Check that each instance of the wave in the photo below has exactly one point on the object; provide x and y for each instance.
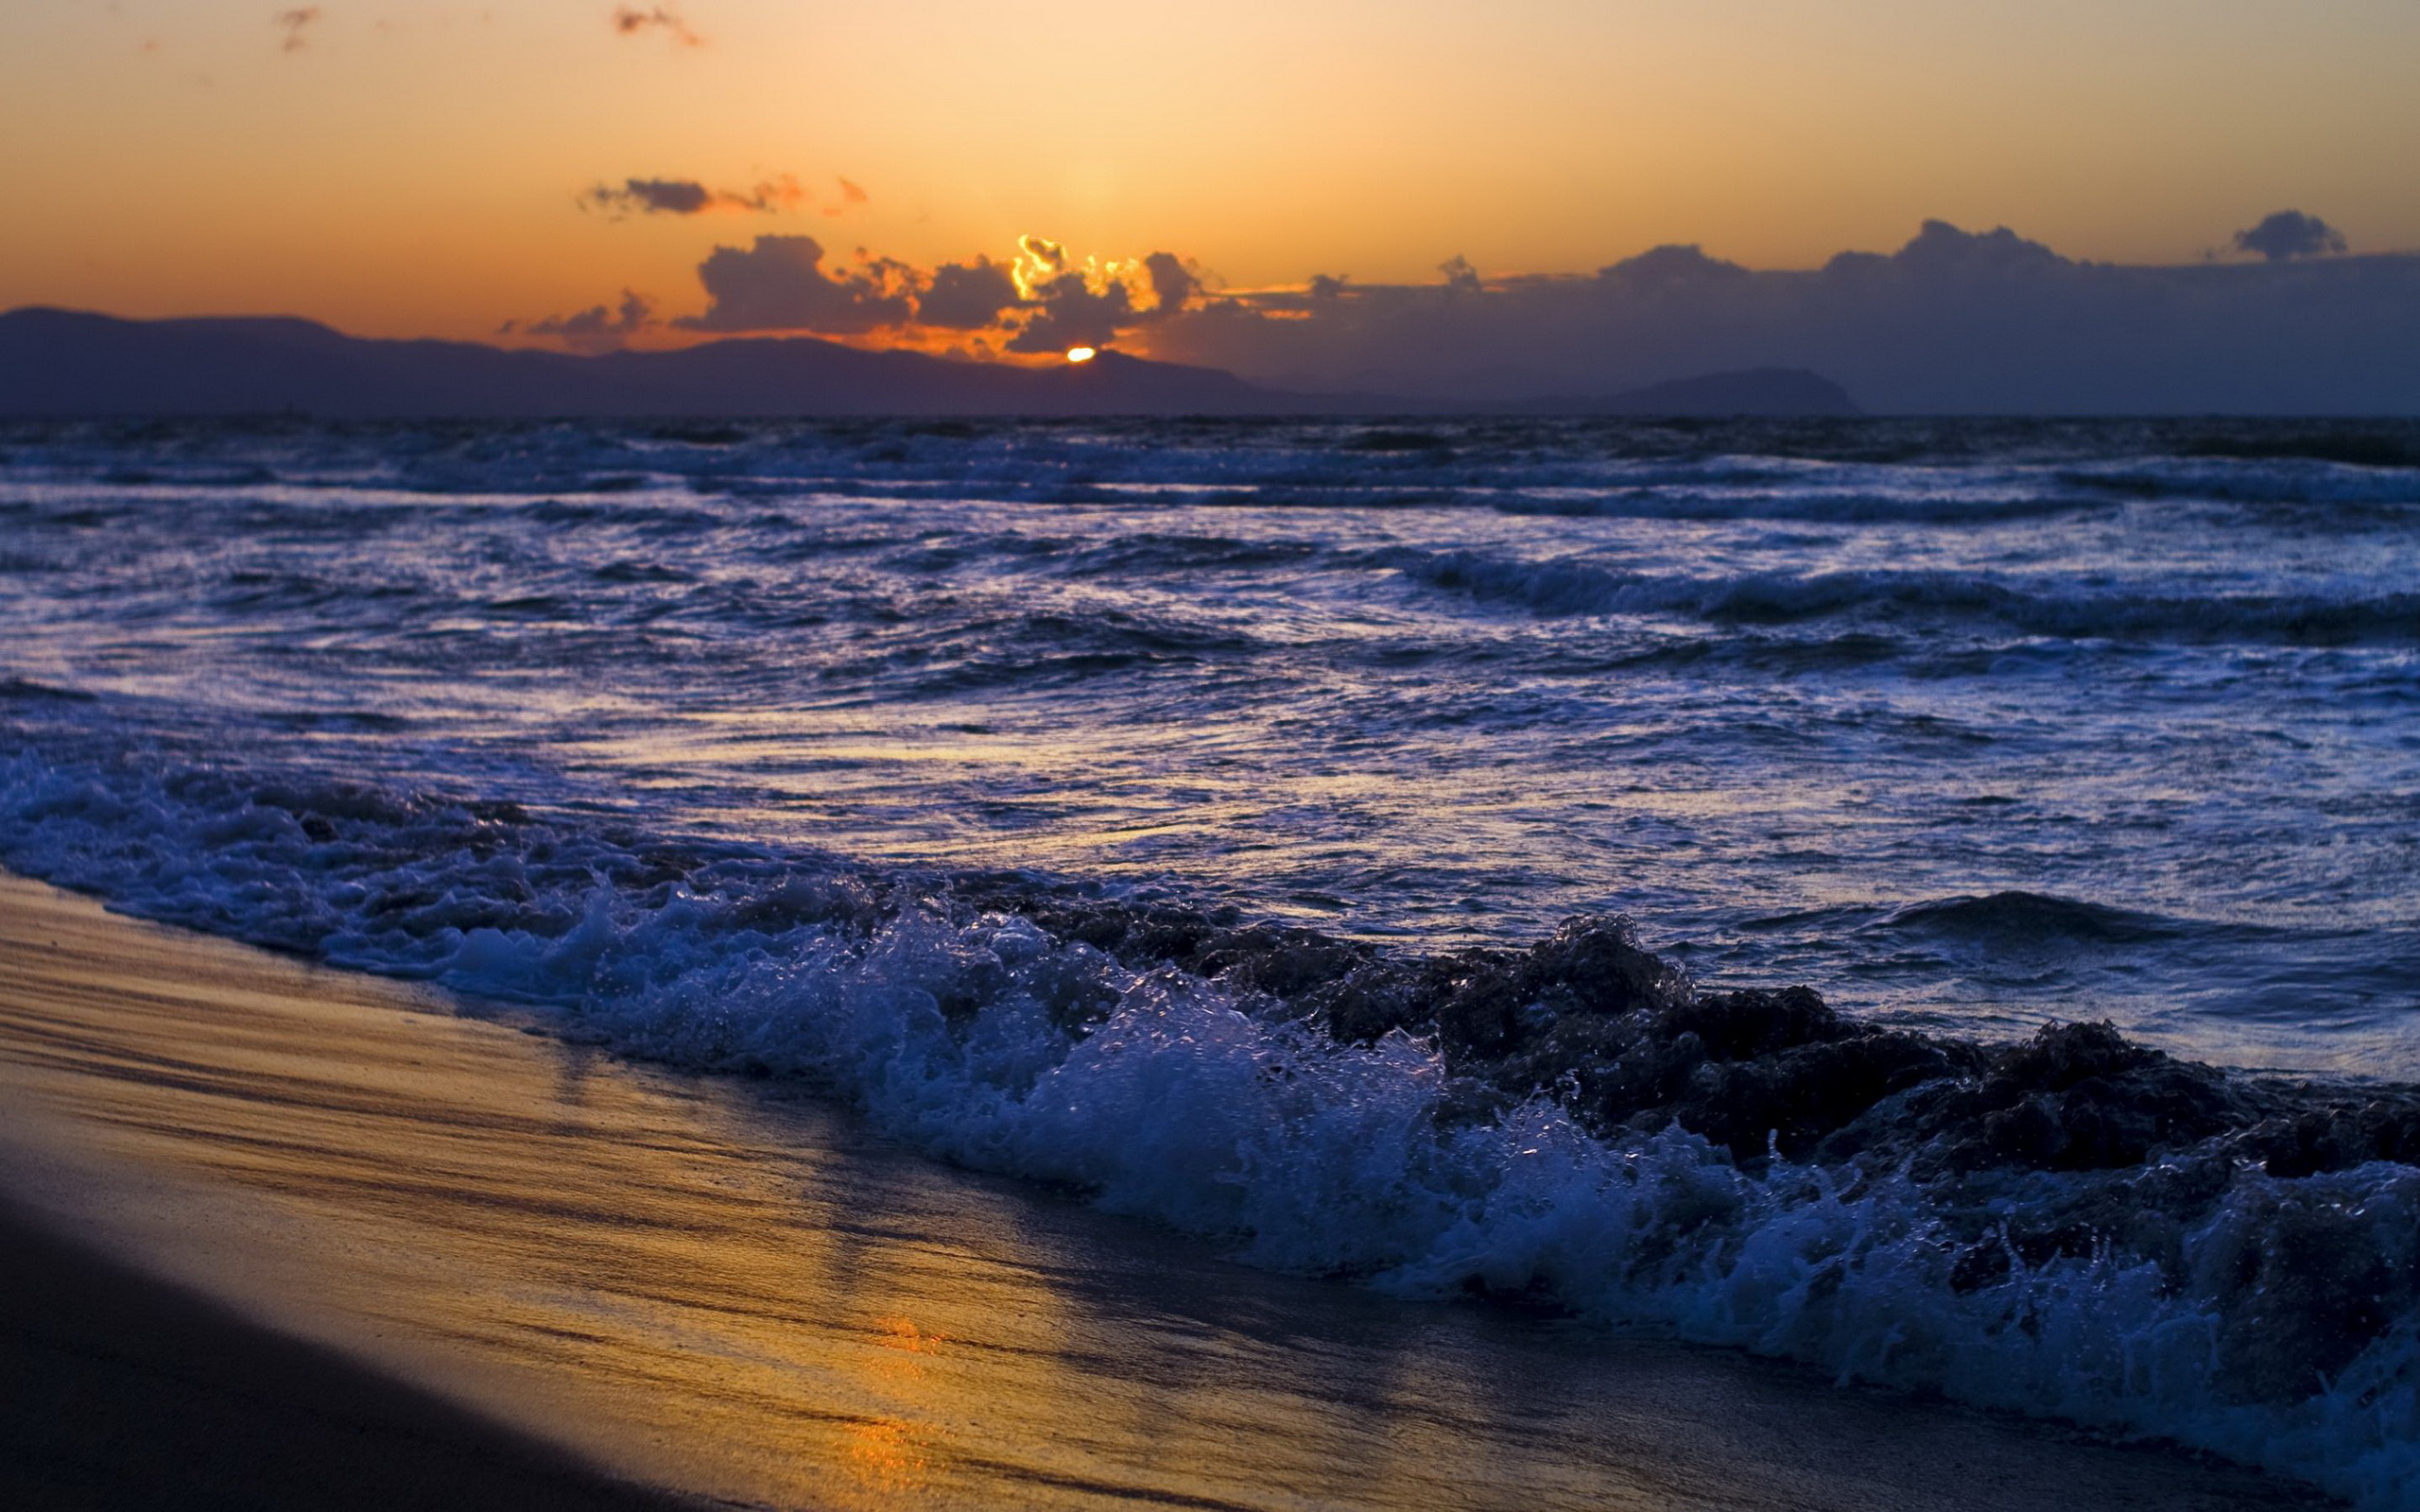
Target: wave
(1581, 586)
(1770, 655)
(2072, 1225)
(1876, 499)
(2253, 475)
(2019, 920)
(28, 689)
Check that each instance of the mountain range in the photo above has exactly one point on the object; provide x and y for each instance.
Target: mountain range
(63, 363)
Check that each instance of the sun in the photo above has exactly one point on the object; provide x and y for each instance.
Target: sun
(1082, 353)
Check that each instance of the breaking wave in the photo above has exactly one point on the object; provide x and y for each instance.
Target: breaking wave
(2071, 1225)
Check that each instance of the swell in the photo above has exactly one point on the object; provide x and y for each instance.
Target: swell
(2018, 919)
(1578, 586)
(1948, 474)
(2071, 1225)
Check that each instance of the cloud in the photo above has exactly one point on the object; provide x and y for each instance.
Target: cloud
(1953, 322)
(1460, 278)
(652, 196)
(2288, 235)
(770, 195)
(594, 329)
(1043, 299)
(1672, 267)
(687, 197)
(968, 295)
(1173, 285)
(851, 197)
(779, 284)
(1041, 254)
(297, 24)
(1065, 304)
(632, 21)
(1074, 313)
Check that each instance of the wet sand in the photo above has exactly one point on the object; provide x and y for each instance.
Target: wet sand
(122, 1392)
(709, 1287)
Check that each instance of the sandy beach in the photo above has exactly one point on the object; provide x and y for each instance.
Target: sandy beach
(355, 1238)
(124, 1392)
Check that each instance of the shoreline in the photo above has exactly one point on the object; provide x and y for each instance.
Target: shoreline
(698, 1285)
(125, 1391)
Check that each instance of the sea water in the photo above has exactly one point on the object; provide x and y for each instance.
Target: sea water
(1175, 810)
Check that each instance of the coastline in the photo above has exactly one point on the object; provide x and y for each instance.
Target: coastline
(697, 1286)
(125, 1391)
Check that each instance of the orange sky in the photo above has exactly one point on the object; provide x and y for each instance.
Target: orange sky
(415, 168)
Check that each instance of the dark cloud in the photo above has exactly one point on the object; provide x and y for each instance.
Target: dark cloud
(1670, 268)
(1074, 313)
(1173, 285)
(594, 329)
(1041, 300)
(2288, 235)
(1328, 285)
(1940, 250)
(630, 21)
(779, 284)
(687, 197)
(297, 24)
(1460, 278)
(968, 295)
(1954, 321)
(1093, 305)
(653, 197)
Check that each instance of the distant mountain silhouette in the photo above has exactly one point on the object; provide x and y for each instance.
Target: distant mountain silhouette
(57, 362)
(69, 363)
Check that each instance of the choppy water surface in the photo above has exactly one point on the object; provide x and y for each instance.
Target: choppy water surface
(799, 746)
(1973, 723)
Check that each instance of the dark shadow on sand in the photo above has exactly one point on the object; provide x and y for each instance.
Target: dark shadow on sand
(119, 1391)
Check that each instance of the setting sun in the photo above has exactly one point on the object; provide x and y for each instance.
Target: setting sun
(1080, 353)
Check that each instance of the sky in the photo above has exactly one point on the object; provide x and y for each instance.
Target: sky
(590, 173)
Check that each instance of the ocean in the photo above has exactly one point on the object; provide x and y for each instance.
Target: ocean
(1934, 900)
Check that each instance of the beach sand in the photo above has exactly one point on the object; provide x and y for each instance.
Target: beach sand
(364, 1242)
(123, 1392)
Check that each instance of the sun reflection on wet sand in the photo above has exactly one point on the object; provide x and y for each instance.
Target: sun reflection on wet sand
(887, 1456)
